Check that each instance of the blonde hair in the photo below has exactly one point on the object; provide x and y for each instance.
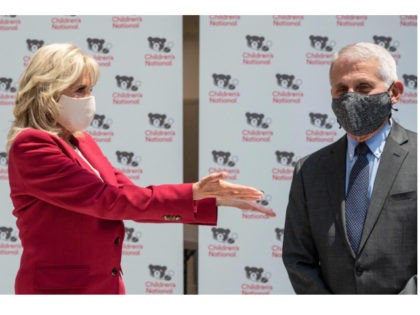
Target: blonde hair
(51, 70)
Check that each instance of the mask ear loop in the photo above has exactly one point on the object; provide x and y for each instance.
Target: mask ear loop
(392, 107)
(389, 89)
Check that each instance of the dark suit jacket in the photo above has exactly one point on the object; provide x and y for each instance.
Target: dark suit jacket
(316, 251)
(70, 221)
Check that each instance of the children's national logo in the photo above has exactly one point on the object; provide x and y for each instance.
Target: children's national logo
(100, 128)
(225, 162)
(321, 43)
(290, 89)
(259, 47)
(7, 85)
(163, 282)
(258, 281)
(224, 245)
(389, 44)
(410, 93)
(321, 50)
(225, 91)
(7, 91)
(161, 52)
(128, 91)
(101, 51)
(34, 44)
(287, 161)
(386, 42)
(9, 244)
(260, 131)
(276, 249)
(132, 245)
(130, 164)
(162, 128)
(323, 128)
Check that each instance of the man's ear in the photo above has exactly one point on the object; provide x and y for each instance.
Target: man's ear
(396, 91)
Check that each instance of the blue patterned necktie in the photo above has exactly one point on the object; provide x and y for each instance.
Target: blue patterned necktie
(357, 200)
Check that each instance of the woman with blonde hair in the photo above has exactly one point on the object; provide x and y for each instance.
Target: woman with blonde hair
(70, 202)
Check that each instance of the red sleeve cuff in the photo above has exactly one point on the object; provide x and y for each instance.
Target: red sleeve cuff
(205, 211)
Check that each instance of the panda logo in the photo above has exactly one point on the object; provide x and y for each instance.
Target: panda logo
(223, 235)
(34, 44)
(287, 81)
(257, 43)
(160, 272)
(264, 201)
(285, 158)
(99, 122)
(321, 43)
(159, 44)
(6, 85)
(160, 121)
(257, 274)
(224, 158)
(7, 234)
(279, 233)
(127, 83)
(3, 159)
(127, 158)
(410, 81)
(98, 45)
(320, 120)
(257, 120)
(131, 235)
(386, 42)
(222, 81)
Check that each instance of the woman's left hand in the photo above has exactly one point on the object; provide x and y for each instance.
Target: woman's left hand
(245, 205)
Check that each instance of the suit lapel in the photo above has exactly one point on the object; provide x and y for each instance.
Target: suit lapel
(335, 170)
(391, 160)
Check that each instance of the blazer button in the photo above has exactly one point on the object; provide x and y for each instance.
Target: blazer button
(171, 217)
(117, 241)
(114, 271)
(359, 271)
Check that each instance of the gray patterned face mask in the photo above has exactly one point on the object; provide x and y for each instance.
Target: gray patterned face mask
(361, 114)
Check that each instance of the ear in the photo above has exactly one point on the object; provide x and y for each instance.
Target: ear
(396, 91)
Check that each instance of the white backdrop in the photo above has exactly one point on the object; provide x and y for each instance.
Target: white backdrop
(139, 116)
(264, 103)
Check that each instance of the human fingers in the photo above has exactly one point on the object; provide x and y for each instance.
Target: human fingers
(267, 211)
(235, 191)
(213, 177)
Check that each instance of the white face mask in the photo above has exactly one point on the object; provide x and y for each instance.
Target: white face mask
(76, 114)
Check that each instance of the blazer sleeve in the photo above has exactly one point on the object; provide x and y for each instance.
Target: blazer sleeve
(45, 172)
(202, 208)
(299, 252)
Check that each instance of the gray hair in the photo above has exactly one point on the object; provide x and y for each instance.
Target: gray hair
(365, 51)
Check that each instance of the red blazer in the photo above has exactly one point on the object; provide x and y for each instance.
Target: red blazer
(70, 221)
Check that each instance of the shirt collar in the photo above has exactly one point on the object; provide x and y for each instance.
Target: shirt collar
(376, 144)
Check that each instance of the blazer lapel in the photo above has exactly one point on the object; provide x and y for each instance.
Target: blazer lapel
(95, 160)
(391, 160)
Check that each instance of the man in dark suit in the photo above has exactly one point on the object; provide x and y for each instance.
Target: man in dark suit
(351, 221)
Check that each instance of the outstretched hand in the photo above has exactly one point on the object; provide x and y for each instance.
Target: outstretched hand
(245, 205)
(228, 194)
(213, 186)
